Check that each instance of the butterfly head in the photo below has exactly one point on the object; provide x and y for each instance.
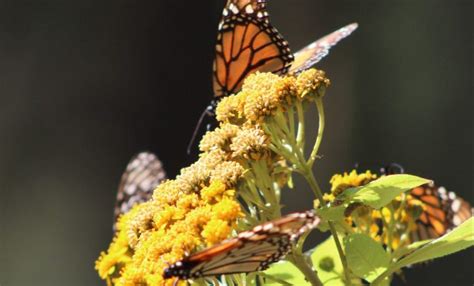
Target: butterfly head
(392, 168)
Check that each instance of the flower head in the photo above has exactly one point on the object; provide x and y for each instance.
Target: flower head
(229, 172)
(341, 182)
(231, 109)
(250, 143)
(264, 93)
(261, 97)
(220, 138)
(311, 83)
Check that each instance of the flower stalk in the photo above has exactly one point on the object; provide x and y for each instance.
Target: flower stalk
(317, 190)
(319, 138)
(301, 262)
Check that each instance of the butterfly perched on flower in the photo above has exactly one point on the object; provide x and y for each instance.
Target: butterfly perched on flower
(441, 210)
(248, 43)
(143, 174)
(250, 251)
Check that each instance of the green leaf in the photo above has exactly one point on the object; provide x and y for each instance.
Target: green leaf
(284, 271)
(331, 213)
(323, 226)
(272, 280)
(328, 264)
(327, 214)
(366, 257)
(402, 251)
(456, 240)
(380, 192)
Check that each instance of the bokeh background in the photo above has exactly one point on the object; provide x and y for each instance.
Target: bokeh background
(84, 85)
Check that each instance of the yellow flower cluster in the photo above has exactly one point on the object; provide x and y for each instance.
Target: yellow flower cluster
(390, 225)
(110, 264)
(263, 94)
(200, 207)
(254, 126)
(176, 222)
(341, 182)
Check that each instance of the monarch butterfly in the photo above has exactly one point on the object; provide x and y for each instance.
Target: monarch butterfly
(143, 174)
(247, 43)
(250, 251)
(442, 210)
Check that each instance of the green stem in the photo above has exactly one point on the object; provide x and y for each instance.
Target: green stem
(264, 182)
(282, 124)
(300, 138)
(391, 226)
(301, 263)
(319, 138)
(308, 174)
(279, 146)
(317, 190)
(291, 119)
(282, 151)
(342, 256)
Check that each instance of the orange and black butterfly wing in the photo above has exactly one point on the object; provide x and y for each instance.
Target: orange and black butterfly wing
(250, 251)
(314, 52)
(443, 211)
(194, 265)
(432, 222)
(246, 43)
(143, 174)
(457, 209)
(250, 254)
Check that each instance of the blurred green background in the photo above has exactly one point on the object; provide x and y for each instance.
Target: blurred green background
(86, 84)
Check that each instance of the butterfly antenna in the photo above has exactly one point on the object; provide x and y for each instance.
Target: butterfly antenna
(208, 111)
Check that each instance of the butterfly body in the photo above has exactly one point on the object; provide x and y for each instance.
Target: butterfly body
(250, 251)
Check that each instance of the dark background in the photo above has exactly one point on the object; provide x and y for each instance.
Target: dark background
(86, 84)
